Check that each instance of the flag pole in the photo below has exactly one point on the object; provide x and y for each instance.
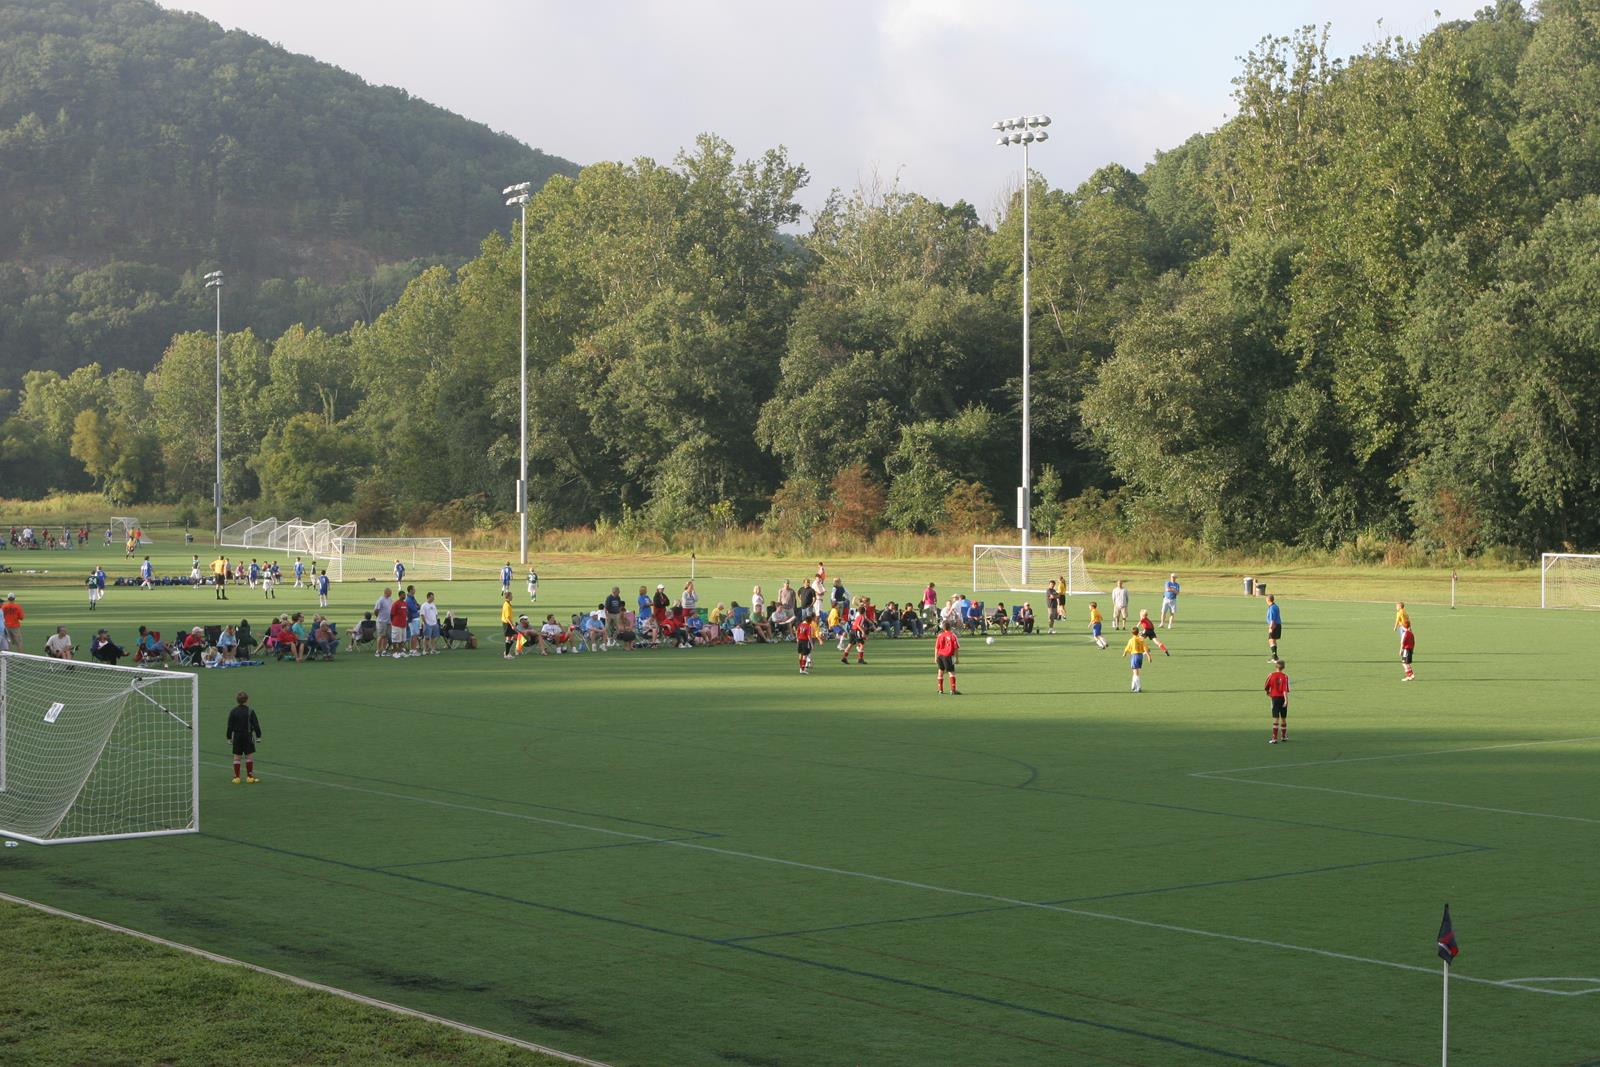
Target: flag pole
(1445, 1052)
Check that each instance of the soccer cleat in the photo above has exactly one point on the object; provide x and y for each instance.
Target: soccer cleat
(1273, 741)
(955, 692)
(235, 779)
(1164, 652)
(252, 779)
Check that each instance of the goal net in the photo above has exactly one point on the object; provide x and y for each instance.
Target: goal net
(372, 559)
(125, 526)
(91, 752)
(1000, 567)
(1569, 580)
(233, 533)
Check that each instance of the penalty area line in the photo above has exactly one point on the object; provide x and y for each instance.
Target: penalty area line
(305, 983)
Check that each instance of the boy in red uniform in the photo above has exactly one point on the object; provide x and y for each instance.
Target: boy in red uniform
(946, 648)
(1408, 644)
(805, 632)
(1277, 688)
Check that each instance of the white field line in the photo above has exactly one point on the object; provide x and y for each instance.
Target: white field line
(1227, 775)
(304, 983)
(928, 887)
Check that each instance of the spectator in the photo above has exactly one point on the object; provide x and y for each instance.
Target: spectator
(228, 642)
(889, 620)
(1025, 617)
(13, 615)
(59, 646)
(104, 649)
(247, 640)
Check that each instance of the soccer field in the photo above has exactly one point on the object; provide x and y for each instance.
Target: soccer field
(699, 857)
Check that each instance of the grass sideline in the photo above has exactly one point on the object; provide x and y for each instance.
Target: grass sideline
(74, 993)
(700, 858)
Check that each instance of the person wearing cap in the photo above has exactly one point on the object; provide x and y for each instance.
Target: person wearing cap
(660, 603)
(59, 646)
(13, 615)
(104, 649)
(194, 644)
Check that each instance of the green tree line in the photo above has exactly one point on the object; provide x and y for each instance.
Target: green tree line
(1364, 306)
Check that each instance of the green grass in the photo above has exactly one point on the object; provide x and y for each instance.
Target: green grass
(701, 858)
(72, 993)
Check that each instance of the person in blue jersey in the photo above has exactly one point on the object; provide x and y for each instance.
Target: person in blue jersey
(1169, 602)
(322, 587)
(505, 578)
(147, 572)
(1274, 625)
(399, 572)
(299, 573)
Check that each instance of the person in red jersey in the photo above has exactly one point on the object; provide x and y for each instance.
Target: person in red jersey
(1408, 645)
(860, 624)
(398, 623)
(1277, 688)
(805, 632)
(946, 650)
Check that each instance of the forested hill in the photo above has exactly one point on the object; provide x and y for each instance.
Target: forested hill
(157, 144)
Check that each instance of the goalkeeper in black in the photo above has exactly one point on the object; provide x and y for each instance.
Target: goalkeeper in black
(244, 729)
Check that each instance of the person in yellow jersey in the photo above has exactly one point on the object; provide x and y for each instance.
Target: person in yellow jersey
(1096, 622)
(508, 623)
(1402, 621)
(1137, 649)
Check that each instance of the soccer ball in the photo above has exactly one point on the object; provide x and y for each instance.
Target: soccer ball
(988, 640)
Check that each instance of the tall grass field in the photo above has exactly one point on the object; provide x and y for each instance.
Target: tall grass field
(702, 857)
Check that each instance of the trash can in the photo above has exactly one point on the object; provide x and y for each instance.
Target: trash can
(1249, 586)
(1261, 589)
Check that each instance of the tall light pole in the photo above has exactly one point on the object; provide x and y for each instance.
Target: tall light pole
(519, 194)
(214, 281)
(1024, 130)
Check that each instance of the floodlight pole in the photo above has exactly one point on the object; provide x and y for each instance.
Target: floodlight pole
(1024, 131)
(214, 281)
(518, 194)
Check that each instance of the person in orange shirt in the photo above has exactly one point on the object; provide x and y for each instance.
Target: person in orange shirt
(13, 614)
(805, 632)
(946, 650)
(1402, 621)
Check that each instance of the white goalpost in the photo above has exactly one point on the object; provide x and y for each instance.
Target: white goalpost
(359, 559)
(92, 752)
(1569, 580)
(999, 568)
(123, 527)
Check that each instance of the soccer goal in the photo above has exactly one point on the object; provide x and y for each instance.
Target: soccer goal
(362, 559)
(125, 526)
(90, 752)
(999, 567)
(1569, 580)
(233, 533)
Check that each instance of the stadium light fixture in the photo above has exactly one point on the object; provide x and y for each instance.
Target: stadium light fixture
(1024, 130)
(214, 281)
(518, 196)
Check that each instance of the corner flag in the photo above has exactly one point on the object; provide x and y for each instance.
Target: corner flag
(1448, 949)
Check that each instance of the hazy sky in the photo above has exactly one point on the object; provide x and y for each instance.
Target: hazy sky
(851, 87)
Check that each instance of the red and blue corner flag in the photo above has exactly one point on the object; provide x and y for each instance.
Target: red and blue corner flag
(1448, 949)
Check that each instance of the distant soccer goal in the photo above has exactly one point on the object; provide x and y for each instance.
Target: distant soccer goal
(1000, 568)
(90, 752)
(125, 526)
(233, 533)
(1569, 580)
(360, 559)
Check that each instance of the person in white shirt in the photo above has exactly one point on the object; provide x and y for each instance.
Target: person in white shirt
(430, 626)
(59, 646)
(1119, 606)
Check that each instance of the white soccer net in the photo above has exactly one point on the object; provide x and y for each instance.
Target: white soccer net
(233, 533)
(1000, 567)
(90, 752)
(1569, 580)
(124, 527)
(361, 559)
